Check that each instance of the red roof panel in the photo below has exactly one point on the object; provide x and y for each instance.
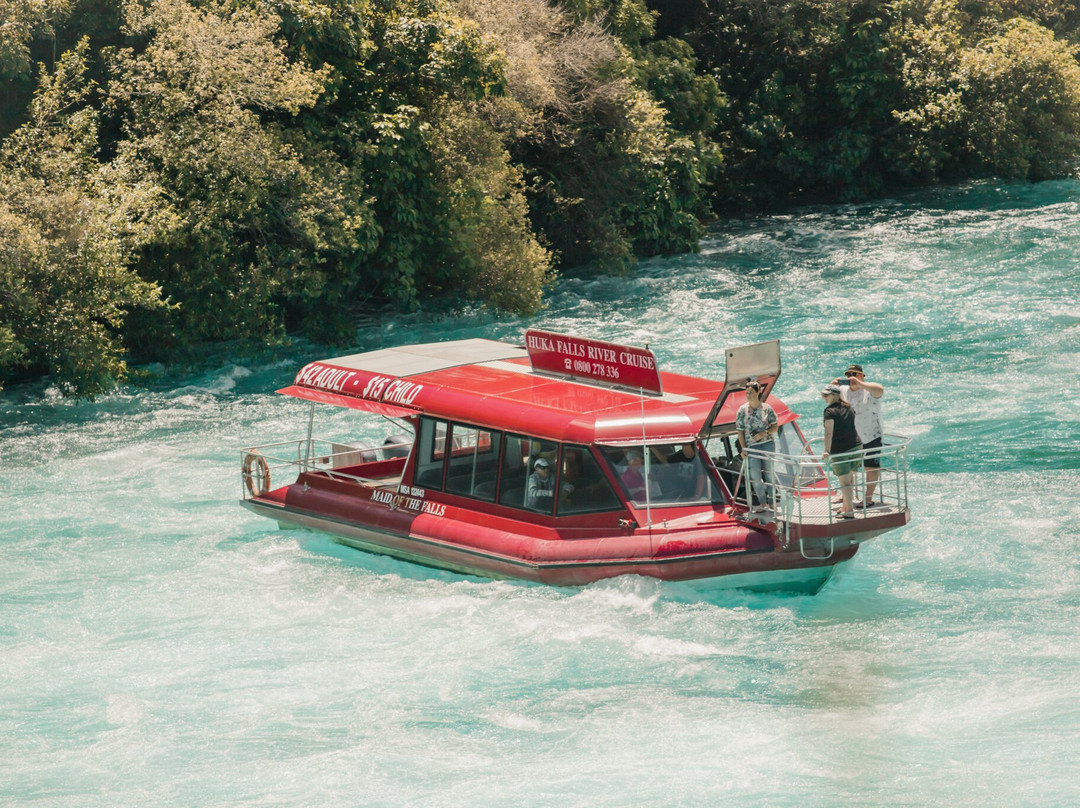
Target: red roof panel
(507, 394)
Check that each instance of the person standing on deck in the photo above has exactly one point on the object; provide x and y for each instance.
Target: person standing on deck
(841, 438)
(757, 425)
(865, 398)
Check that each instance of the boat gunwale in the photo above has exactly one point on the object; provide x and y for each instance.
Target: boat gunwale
(278, 507)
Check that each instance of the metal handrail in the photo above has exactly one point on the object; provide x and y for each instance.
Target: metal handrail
(308, 458)
(794, 481)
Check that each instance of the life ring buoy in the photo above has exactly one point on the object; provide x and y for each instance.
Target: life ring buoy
(256, 474)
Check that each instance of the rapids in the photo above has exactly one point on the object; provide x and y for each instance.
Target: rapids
(161, 646)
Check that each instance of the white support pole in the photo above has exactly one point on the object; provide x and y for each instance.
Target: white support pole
(645, 451)
(307, 447)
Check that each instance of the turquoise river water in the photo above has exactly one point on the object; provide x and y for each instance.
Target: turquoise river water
(161, 646)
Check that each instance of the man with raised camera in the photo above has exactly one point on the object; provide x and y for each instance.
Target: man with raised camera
(865, 398)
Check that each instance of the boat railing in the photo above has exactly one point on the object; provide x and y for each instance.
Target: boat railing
(281, 463)
(800, 489)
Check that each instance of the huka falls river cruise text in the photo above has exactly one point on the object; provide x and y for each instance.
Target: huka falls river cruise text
(567, 461)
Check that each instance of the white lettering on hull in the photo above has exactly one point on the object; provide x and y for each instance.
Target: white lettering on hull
(435, 508)
(408, 498)
(386, 497)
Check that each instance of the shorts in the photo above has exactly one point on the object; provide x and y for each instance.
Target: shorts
(873, 462)
(848, 464)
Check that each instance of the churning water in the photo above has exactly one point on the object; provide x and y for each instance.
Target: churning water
(161, 646)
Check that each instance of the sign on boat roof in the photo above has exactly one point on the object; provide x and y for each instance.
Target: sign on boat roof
(560, 387)
(601, 362)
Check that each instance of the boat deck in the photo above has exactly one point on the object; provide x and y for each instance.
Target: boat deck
(821, 510)
(348, 474)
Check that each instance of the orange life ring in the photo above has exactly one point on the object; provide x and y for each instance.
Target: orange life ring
(256, 473)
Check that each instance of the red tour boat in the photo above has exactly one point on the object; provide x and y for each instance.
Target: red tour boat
(566, 461)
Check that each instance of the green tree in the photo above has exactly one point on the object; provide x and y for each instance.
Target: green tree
(490, 247)
(447, 201)
(983, 97)
(67, 230)
(21, 21)
(930, 140)
(812, 86)
(608, 177)
(261, 212)
(1023, 96)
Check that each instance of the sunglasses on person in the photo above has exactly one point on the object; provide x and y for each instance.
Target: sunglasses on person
(851, 373)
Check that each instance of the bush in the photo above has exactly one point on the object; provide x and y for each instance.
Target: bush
(67, 231)
(1022, 91)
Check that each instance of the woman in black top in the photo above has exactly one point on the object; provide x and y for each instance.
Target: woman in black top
(841, 437)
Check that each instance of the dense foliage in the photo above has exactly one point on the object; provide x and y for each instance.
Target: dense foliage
(840, 99)
(177, 173)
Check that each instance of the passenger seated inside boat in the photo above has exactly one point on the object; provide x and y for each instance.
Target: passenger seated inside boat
(521, 477)
(632, 478)
(670, 482)
(540, 492)
(686, 479)
(587, 490)
(571, 477)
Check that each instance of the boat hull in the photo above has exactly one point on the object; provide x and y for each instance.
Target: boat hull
(754, 564)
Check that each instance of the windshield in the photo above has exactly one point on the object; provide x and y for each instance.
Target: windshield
(675, 474)
(789, 445)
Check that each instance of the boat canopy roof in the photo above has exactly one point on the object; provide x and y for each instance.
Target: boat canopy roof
(493, 384)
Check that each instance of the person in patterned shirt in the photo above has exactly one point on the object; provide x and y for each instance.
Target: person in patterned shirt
(756, 422)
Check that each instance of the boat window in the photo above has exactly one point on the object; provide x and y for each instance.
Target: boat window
(791, 442)
(724, 451)
(523, 485)
(474, 461)
(676, 474)
(583, 488)
(431, 453)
